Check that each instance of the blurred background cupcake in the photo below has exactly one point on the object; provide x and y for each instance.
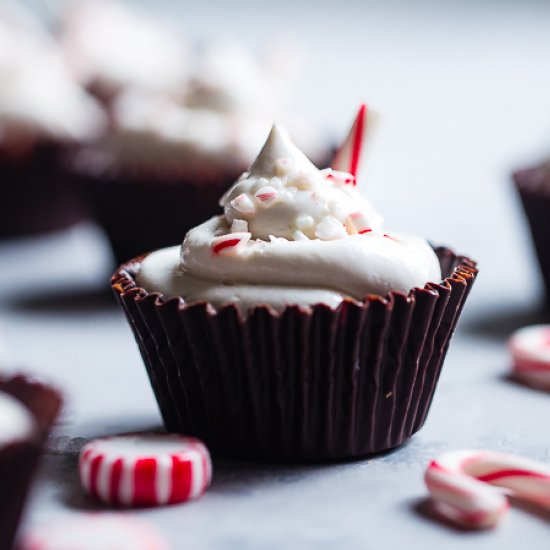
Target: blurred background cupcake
(110, 46)
(44, 114)
(183, 122)
(533, 186)
(28, 410)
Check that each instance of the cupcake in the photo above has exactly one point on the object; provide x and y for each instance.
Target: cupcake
(27, 412)
(292, 326)
(43, 115)
(181, 151)
(111, 46)
(533, 186)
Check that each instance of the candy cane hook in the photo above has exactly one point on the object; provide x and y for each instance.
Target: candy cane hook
(460, 483)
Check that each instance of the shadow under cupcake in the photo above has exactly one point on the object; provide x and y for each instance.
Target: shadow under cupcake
(292, 327)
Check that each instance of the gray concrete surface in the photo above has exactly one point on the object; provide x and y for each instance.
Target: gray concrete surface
(464, 91)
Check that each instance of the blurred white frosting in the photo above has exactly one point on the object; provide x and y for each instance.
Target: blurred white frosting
(112, 46)
(16, 421)
(38, 96)
(214, 125)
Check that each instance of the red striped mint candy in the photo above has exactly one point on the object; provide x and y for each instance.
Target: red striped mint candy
(94, 532)
(145, 470)
(530, 348)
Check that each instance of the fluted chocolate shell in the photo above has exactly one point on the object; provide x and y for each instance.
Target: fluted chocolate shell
(533, 186)
(19, 460)
(307, 384)
(38, 195)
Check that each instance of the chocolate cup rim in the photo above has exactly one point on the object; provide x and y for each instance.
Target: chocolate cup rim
(522, 179)
(123, 284)
(18, 384)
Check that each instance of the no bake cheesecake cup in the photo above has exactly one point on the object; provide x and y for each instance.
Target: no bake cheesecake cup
(309, 384)
(533, 187)
(44, 116)
(39, 406)
(305, 382)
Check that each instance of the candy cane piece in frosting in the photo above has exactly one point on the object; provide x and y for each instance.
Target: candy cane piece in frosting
(93, 530)
(266, 194)
(349, 155)
(360, 223)
(239, 226)
(243, 204)
(230, 243)
(459, 482)
(339, 177)
(530, 349)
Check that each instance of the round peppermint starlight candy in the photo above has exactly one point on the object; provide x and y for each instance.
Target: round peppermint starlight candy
(145, 470)
(530, 347)
(94, 532)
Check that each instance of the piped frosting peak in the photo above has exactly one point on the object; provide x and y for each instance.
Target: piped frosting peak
(284, 195)
(278, 151)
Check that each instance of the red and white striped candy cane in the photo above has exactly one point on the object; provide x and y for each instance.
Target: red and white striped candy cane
(349, 155)
(460, 483)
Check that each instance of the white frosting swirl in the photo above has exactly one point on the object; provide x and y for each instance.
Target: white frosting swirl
(113, 46)
(38, 97)
(285, 195)
(291, 234)
(16, 421)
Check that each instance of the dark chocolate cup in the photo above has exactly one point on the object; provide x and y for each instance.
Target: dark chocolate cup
(533, 186)
(38, 194)
(307, 384)
(19, 460)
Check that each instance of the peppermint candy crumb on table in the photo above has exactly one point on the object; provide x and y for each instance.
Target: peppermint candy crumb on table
(107, 531)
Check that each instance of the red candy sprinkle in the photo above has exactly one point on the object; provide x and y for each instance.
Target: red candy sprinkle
(226, 244)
